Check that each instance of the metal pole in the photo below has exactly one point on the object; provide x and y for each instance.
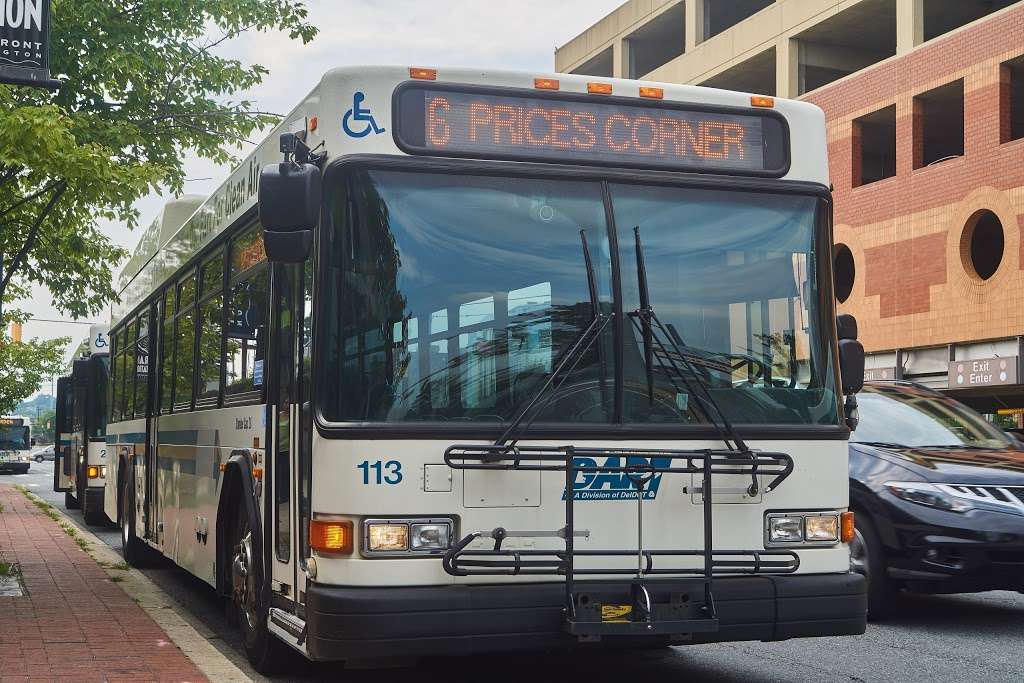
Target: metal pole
(570, 479)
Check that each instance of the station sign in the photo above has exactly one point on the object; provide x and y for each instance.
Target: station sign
(25, 43)
(468, 121)
(983, 372)
(879, 374)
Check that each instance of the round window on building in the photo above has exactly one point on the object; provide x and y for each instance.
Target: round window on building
(844, 271)
(981, 244)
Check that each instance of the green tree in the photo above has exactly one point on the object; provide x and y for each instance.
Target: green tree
(42, 426)
(142, 83)
(26, 364)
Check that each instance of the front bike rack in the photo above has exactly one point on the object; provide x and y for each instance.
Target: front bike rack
(596, 607)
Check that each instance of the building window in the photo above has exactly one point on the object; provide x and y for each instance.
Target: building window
(981, 245)
(1011, 100)
(843, 271)
(874, 146)
(657, 42)
(599, 65)
(939, 124)
(720, 16)
(754, 75)
(851, 40)
(943, 16)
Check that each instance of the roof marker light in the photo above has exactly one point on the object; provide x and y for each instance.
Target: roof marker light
(599, 88)
(546, 83)
(762, 101)
(313, 123)
(422, 74)
(653, 93)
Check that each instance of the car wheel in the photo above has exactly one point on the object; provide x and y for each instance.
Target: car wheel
(39, 458)
(867, 558)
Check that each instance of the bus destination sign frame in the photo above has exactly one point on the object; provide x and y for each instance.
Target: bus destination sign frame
(525, 125)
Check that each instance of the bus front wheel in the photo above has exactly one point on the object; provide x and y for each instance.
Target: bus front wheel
(135, 552)
(266, 652)
(70, 502)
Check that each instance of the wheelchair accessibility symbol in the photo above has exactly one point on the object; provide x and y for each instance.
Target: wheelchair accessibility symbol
(359, 114)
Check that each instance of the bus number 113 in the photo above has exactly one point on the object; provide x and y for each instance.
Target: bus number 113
(389, 472)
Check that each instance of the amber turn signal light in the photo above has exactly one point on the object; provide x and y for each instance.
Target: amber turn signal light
(846, 527)
(92, 471)
(332, 536)
(421, 74)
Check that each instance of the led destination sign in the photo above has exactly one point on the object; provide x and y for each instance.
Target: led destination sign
(526, 127)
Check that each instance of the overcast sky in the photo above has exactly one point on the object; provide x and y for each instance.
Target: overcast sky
(513, 34)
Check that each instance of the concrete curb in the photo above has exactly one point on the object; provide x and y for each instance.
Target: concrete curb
(164, 610)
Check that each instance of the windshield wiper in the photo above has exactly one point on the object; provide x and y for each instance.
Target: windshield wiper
(569, 360)
(651, 331)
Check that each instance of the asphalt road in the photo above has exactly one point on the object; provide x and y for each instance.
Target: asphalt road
(939, 638)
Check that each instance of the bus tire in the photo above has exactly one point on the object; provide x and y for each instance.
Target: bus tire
(93, 517)
(135, 552)
(266, 653)
(867, 557)
(70, 502)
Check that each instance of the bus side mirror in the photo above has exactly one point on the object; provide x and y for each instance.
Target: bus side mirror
(851, 366)
(289, 207)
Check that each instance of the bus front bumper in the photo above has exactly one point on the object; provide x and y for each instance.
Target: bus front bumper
(345, 622)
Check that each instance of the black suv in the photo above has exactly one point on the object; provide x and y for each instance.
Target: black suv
(938, 493)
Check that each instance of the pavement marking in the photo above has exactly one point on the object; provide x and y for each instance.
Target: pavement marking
(161, 608)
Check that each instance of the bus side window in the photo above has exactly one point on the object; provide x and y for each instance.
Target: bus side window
(141, 369)
(184, 343)
(115, 376)
(211, 326)
(246, 329)
(128, 368)
(167, 352)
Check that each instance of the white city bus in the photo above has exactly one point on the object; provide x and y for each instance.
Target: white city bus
(80, 448)
(462, 361)
(15, 444)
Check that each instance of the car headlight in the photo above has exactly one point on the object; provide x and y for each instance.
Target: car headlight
(929, 495)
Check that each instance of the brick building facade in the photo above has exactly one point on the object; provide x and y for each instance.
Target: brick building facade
(915, 287)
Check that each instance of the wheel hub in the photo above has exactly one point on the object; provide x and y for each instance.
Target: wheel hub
(243, 580)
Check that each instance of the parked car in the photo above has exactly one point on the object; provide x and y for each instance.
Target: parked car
(938, 493)
(45, 453)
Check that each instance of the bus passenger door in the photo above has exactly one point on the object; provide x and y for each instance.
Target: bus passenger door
(281, 453)
(62, 436)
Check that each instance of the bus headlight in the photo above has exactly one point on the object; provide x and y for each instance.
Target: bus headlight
(785, 529)
(430, 536)
(802, 528)
(409, 537)
(821, 528)
(387, 537)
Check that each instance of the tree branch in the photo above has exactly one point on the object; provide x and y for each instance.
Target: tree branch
(22, 254)
(29, 198)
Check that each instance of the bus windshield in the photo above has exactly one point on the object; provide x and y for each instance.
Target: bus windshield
(452, 298)
(14, 438)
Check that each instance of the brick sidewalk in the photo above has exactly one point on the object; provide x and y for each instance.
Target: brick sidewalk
(74, 623)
